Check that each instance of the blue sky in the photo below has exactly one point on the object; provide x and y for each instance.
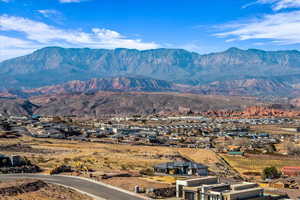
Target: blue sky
(197, 25)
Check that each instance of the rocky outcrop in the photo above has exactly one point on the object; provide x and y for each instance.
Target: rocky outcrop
(269, 112)
(16, 164)
(31, 186)
(254, 111)
(161, 192)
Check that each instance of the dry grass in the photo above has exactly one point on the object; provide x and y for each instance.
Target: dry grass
(99, 157)
(199, 155)
(129, 183)
(105, 157)
(256, 163)
(203, 156)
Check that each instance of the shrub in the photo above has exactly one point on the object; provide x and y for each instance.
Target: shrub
(124, 167)
(61, 169)
(270, 173)
(67, 160)
(147, 172)
(77, 159)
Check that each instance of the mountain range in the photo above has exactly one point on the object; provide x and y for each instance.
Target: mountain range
(53, 70)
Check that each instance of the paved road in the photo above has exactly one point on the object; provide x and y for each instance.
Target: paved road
(97, 190)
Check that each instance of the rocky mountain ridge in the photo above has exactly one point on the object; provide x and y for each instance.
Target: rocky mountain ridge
(246, 87)
(121, 84)
(232, 72)
(99, 104)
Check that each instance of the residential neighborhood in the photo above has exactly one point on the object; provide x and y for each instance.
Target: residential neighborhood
(226, 139)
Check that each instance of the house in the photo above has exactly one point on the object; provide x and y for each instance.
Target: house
(278, 184)
(210, 189)
(182, 168)
(193, 183)
(251, 193)
(233, 148)
(35, 117)
(290, 171)
(235, 153)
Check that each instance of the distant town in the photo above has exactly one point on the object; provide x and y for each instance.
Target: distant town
(210, 157)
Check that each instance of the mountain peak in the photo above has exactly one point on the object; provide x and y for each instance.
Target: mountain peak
(233, 49)
(49, 48)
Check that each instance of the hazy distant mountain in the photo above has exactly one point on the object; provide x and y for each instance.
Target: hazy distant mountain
(222, 72)
(245, 87)
(248, 87)
(122, 84)
(54, 65)
(252, 63)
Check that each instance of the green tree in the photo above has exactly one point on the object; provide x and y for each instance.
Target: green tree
(270, 173)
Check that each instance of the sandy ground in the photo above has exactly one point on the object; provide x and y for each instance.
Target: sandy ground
(131, 182)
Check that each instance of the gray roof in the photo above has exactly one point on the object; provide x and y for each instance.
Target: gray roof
(172, 165)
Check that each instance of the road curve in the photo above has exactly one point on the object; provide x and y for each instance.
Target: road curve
(97, 190)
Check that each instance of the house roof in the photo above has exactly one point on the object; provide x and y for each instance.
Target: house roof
(172, 165)
(291, 168)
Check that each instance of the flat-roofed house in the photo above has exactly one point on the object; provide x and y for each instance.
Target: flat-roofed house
(194, 183)
(210, 189)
